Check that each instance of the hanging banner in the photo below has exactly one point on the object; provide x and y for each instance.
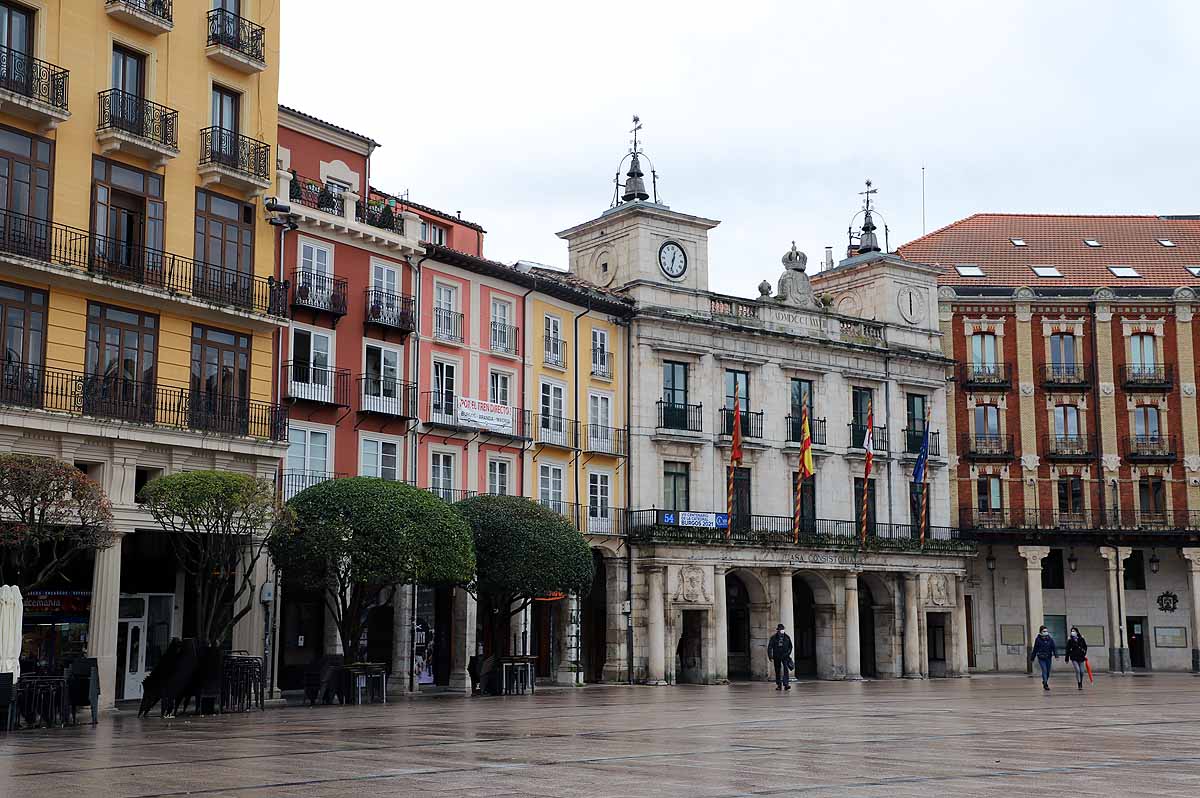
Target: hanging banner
(701, 520)
(485, 415)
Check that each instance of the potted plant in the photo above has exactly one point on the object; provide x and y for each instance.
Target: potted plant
(386, 218)
(325, 200)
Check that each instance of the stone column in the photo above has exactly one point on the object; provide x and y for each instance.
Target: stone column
(1034, 612)
(787, 613)
(853, 651)
(656, 638)
(569, 670)
(615, 662)
(1118, 647)
(1192, 557)
(912, 632)
(350, 206)
(961, 643)
(250, 630)
(102, 619)
(402, 630)
(721, 626)
(463, 645)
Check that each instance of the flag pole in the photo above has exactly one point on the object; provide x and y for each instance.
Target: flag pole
(925, 478)
(869, 443)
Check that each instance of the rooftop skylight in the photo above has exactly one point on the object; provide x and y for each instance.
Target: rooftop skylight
(1166, 242)
(1195, 270)
(1046, 271)
(1017, 242)
(1124, 271)
(969, 270)
(1091, 242)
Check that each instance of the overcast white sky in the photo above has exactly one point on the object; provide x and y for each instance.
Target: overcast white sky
(767, 116)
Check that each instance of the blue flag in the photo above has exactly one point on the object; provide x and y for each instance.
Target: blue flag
(922, 459)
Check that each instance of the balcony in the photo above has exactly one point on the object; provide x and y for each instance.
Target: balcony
(135, 126)
(236, 42)
(879, 438)
(388, 310)
(555, 352)
(602, 364)
(1066, 376)
(36, 387)
(1067, 448)
(599, 439)
(1107, 527)
(452, 495)
(462, 413)
(447, 326)
(795, 430)
(379, 215)
(314, 194)
(303, 382)
(1149, 448)
(234, 161)
(914, 439)
(1147, 378)
(319, 294)
(152, 16)
(985, 446)
(590, 519)
(387, 397)
(985, 376)
(682, 417)
(292, 482)
(550, 430)
(505, 339)
(33, 89)
(752, 423)
(141, 269)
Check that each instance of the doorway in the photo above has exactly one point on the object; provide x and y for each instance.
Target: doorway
(935, 640)
(595, 623)
(544, 626)
(144, 630)
(970, 611)
(866, 630)
(1137, 641)
(804, 636)
(737, 614)
(689, 653)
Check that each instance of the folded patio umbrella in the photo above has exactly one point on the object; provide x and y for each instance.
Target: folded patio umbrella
(11, 612)
(1088, 664)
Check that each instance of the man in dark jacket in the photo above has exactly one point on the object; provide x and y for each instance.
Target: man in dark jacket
(1044, 651)
(779, 651)
(1077, 655)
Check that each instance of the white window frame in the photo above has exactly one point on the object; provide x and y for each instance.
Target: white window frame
(600, 366)
(437, 410)
(380, 440)
(601, 514)
(293, 485)
(442, 490)
(390, 396)
(441, 332)
(317, 388)
(552, 341)
(509, 468)
(553, 427)
(508, 375)
(546, 484)
(600, 435)
(322, 290)
(386, 267)
(439, 233)
(499, 341)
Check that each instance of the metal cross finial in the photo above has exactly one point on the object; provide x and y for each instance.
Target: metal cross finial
(637, 125)
(867, 194)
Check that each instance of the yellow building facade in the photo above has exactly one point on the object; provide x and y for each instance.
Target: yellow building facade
(138, 283)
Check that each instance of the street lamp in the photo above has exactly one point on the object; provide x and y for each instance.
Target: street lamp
(1072, 561)
(991, 561)
(1154, 561)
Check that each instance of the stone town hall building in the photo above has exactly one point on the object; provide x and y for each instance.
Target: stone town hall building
(707, 588)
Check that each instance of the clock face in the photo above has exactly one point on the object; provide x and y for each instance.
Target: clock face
(672, 260)
(911, 304)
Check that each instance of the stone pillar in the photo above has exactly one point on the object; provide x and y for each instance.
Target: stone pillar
(1192, 557)
(463, 645)
(1034, 612)
(615, 662)
(853, 651)
(569, 670)
(961, 643)
(787, 611)
(721, 626)
(411, 224)
(1118, 647)
(402, 630)
(656, 638)
(333, 639)
(349, 206)
(912, 632)
(102, 619)
(249, 633)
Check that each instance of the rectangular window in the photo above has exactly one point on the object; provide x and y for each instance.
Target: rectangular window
(311, 361)
(601, 357)
(443, 400)
(987, 423)
(742, 508)
(550, 486)
(1062, 351)
(987, 493)
(307, 460)
(550, 419)
(120, 363)
(433, 233)
(224, 249)
(1066, 421)
(858, 504)
(1145, 423)
(1135, 570)
(983, 350)
(504, 335)
(915, 510)
(498, 477)
(446, 323)
(220, 380)
(807, 503)
(742, 380)
(1152, 497)
(917, 405)
(555, 354)
(1142, 351)
(860, 404)
(1070, 495)
(22, 328)
(26, 165)
(441, 475)
(384, 278)
(1052, 571)
(380, 458)
(226, 107)
(675, 486)
(801, 397)
(600, 515)
(600, 412)
(675, 383)
(383, 372)
(498, 387)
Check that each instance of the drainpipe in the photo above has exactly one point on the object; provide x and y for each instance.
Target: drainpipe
(578, 346)
(412, 466)
(628, 497)
(525, 366)
(887, 423)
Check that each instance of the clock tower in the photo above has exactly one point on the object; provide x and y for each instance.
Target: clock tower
(639, 241)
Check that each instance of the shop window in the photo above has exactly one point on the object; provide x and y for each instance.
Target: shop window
(1052, 571)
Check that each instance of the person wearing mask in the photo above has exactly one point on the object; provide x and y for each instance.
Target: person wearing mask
(779, 651)
(1044, 651)
(1077, 655)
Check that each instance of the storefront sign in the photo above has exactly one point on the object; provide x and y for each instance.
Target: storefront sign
(484, 415)
(65, 602)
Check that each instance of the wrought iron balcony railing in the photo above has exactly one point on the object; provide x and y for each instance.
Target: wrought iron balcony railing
(915, 438)
(227, 29)
(858, 437)
(1150, 448)
(33, 78)
(670, 526)
(232, 150)
(552, 430)
(391, 310)
(304, 382)
(155, 8)
(605, 440)
(380, 215)
(555, 351)
(387, 397)
(1139, 377)
(505, 338)
(139, 117)
(795, 430)
(1082, 521)
(313, 193)
(689, 418)
(751, 422)
(447, 325)
(319, 292)
(985, 375)
(1068, 447)
(113, 397)
(292, 482)
(602, 363)
(452, 495)
(983, 446)
(1066, 375)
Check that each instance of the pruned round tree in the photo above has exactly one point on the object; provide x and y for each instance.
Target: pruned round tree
(523, 551)
(356, 538)
(50, 514)
(217, 524)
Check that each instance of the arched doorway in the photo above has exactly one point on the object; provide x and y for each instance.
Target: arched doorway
(866, 630)
(804, 636)
(737, 618)
(594, 623)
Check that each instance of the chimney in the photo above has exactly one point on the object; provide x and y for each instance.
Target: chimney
(828, 258)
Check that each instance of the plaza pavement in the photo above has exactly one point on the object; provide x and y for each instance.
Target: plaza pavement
(984, 736)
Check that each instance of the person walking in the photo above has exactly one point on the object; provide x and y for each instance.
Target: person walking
(1077, 655)
(779, 651)
(1044, 651)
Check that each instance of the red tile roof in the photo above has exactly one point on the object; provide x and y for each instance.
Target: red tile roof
(984, 240)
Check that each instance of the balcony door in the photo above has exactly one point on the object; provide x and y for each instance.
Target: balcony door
(445, 380)
(742, 508)
(120, 364)
(1066, 422)
(860, 405)
(312, 366)
(226, 119)
(22, 343)
(1143, 354)
(1062, 356)
(1145, 423)
(16, 37)
(127, 219)
(220, 399)
(129, 84)
(307, 460)
(224, 249)
(382, 391)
